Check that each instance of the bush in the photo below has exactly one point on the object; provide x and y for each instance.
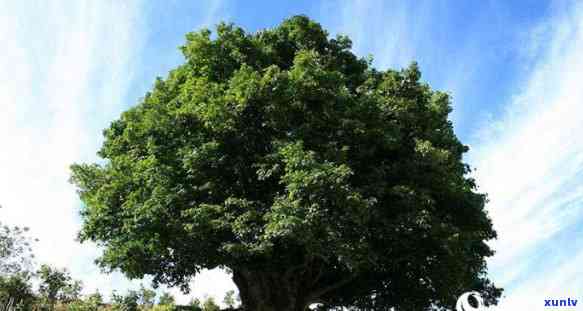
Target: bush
(164, 307)
(129, 302)
(82, 305)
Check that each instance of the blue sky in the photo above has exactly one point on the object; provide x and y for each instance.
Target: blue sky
(514, 69)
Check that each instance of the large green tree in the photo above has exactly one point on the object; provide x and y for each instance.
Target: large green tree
(311, 175)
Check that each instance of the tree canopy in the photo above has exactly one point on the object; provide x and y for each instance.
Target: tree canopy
(57, 285)
(15, 250)
(311, 175)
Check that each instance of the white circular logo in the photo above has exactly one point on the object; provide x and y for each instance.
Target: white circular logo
(463, 303)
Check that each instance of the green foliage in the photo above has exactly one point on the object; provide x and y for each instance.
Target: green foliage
(128, 302)
(90, 303)
(286, 158)
(146, 296)
(163, 307)
(16, 291)
(195, 304)
(209, 304)
(15, 250)
(57, 284)
(80, 305)
(16, 264)
(230, 299)
(95, 298)
(71, 292)
(166, 299)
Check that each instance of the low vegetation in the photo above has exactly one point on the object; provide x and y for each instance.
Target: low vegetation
(57, 290)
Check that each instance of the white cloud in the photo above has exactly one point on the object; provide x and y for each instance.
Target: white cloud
(66, 68)
(530, 162)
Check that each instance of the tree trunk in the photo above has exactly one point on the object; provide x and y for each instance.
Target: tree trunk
(270, 291)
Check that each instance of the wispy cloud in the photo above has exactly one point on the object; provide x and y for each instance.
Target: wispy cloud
(377, 28)
(66, 68)
(530, 162)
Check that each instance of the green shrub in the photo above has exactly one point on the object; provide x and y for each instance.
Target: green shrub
(163, 307)
(129, 302)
